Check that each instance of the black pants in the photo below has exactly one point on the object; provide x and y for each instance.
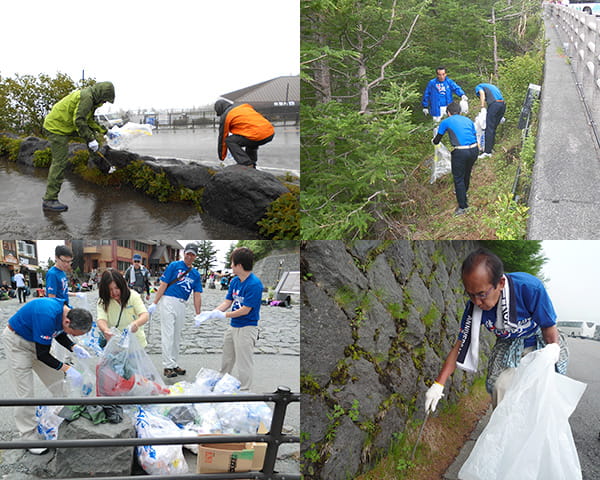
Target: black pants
(245, 151)
(462, 164)
(495, 112)
(21, 294)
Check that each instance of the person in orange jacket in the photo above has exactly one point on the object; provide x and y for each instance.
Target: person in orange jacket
(242, 130)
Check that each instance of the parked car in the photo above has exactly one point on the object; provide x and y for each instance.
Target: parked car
(109, 120)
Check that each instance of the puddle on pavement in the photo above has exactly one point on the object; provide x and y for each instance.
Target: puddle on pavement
(100, 212)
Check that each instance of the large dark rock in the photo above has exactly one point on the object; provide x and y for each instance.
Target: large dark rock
(180, 172)
(241, 195)
(118, 158)
(28, 147)
(94, 462)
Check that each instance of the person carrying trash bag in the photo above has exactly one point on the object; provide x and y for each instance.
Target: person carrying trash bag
(513, 306)
(439, 94)
(463, 137)
(490, 97)
(71, 118)
(27, 339)
(242, 130)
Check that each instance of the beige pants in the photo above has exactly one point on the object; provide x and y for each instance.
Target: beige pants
(238, 348)
(172, 318)
(22, 363)
(505, 380)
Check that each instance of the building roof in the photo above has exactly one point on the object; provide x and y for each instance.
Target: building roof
(280, 89)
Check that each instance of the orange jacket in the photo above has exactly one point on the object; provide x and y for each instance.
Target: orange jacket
(245, 121)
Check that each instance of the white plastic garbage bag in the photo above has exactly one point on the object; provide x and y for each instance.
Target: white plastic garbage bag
(120, 137)
(528, 436)
(480, 123)
(441, 162)
(464, 107)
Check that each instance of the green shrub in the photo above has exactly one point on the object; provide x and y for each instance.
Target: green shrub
(42, 158)
(143, 178)
(9, 147)
(282, 220)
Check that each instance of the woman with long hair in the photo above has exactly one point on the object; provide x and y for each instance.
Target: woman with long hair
(120, 307)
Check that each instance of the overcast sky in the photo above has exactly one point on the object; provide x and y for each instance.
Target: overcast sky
(182, 53)
(46, 249)
(573, 269)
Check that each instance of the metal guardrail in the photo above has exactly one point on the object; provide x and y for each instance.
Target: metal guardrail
(579, 33)
(281, 398)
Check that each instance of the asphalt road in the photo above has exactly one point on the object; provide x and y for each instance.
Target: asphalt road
(585, 420)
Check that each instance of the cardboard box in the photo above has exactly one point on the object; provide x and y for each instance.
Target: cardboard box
(225, 457)
(232, 457)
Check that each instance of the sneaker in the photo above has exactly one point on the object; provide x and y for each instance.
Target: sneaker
(484, 155)
(54, 206)
(37, 451)
(169, 373)
(179, 371)
(460, 211)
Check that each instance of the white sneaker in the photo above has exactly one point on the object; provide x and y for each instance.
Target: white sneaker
(37, 451)
(485, 155)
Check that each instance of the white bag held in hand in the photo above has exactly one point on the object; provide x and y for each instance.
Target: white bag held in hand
(480, 123)
(119, 138)
(528, 436)
(441, 162)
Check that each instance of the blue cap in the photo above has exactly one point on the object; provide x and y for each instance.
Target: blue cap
(137, 256)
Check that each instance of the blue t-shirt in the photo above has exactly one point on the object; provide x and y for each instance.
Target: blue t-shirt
(533, 309)
(245, 294)
(181, 289)
(39, 320)
(492, 93)
(57, 283)
(461, 130)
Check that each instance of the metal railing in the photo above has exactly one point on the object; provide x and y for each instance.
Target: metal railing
(281, 398)
(579, 33)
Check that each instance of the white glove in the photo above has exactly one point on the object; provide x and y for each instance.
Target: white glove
(93, 145)
(433, 396)
(554, 349)
(80, 295)
(152, 308)
(464, 97)
(426, 111)
(201, 318)
(217, 315)
(74, 377)
(80, 351)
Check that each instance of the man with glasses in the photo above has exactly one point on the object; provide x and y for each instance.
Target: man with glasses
(176, 284)
(513, 306)
(57, 283)
(138, 276)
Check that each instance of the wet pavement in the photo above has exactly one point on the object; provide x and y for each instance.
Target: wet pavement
(96, 211)
(279, 156)
(277, 362)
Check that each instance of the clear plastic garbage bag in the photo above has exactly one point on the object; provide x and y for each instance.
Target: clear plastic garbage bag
(441, 162)
(528, 436)
(120, 137)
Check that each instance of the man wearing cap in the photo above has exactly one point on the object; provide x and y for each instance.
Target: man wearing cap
(176, 284)
(242, 130)
(138, 276)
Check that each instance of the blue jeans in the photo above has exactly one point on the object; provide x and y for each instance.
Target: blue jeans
(462, 164)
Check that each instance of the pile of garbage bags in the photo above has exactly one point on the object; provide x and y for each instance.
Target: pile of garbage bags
(124, 369)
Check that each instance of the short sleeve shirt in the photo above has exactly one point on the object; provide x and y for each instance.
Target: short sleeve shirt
(245, 294)
(461, 130)
(191, 282)
(134, 308)
(533, 309)
(57, 283)
(39, 320)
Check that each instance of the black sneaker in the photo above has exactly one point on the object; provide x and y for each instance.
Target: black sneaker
(169, 373)
(54, 206)
(460, 211)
